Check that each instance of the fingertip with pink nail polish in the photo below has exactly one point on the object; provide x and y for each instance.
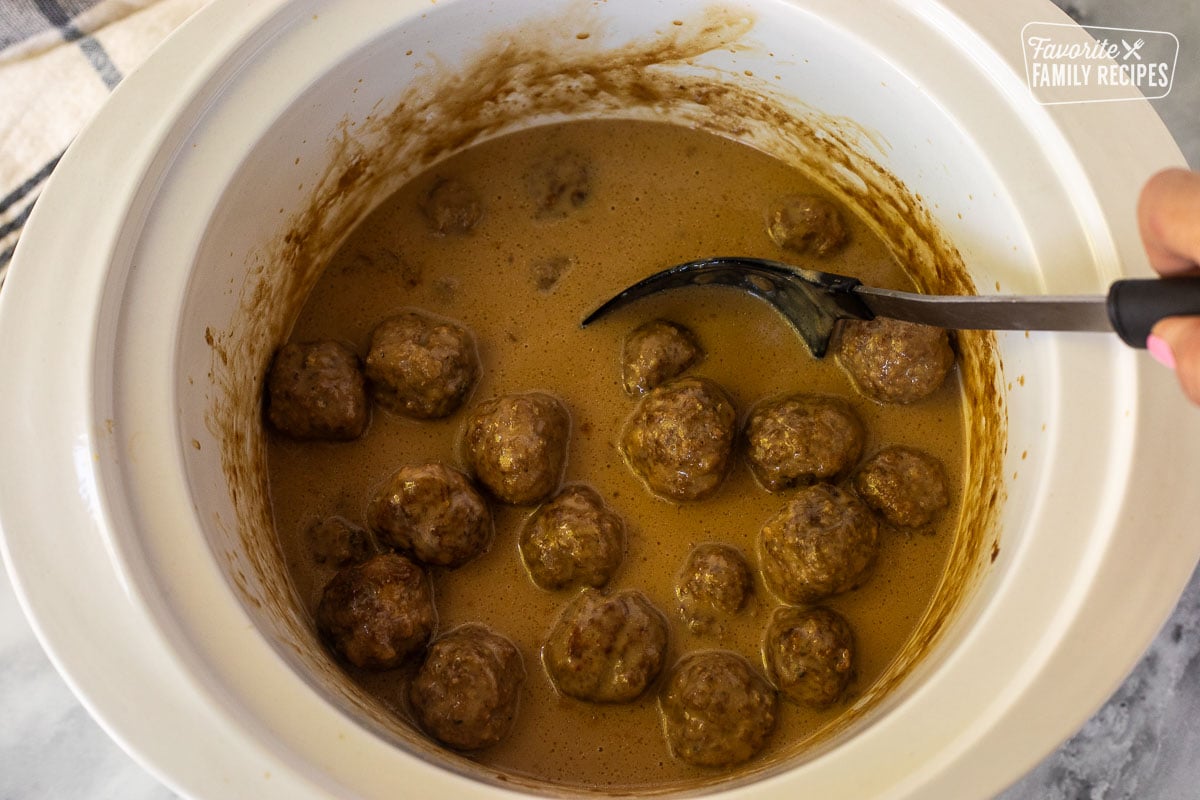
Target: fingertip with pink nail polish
(1160, 351)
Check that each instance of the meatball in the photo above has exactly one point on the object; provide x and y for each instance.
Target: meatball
(893, 361)
(821, 543)
(680, 438)
(547, 272)
(805, 223)
(465, 694)
(714, 582)
(907, 486)
(573, 540)
(433, 512)
(560, 184)
(337, 541)
(606, 649)
(655, 352)
(315, 390)
(377, 613)
(421, 366)
(452, 207)
(717, 711)
(517, 446)
(802, 439)
(809, 653)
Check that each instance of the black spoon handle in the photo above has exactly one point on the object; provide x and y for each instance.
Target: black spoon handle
(1136, 305)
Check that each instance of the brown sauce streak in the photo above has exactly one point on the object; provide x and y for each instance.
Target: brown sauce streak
(516, 82)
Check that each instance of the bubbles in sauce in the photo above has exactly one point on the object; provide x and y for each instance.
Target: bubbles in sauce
(561, 218)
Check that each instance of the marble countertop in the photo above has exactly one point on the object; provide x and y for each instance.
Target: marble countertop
(1143, 743)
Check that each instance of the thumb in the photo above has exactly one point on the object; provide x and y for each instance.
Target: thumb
(1175, 342)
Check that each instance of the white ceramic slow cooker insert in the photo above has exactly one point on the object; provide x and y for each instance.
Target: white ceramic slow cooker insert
(137, 272)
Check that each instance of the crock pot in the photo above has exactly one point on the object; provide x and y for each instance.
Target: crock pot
(132, 326)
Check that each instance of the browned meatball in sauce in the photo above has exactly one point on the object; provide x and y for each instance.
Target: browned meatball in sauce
(680, 438)
(377, 613)
(606, 649)
(433, 512)
(465, 694)
(810, 654)
(714, 583)
(517, 446)
(893, 361)
(573, 540)
(822, 542)
(337, 541)
(806, 223)
(451, 207)
(717, 711)
(908, 487)
(801, 439)
(656, 352)
(315, 390)
(421, 366)
(546, 273)
(560, 184)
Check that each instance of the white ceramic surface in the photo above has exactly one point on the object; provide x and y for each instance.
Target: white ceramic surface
(144, 617)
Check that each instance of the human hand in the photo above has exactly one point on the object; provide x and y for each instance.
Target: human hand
(1169, 220)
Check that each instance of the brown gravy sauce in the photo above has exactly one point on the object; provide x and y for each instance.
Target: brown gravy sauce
(661, 194)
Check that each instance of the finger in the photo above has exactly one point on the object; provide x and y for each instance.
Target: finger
(1169, 220)
(1181, 337)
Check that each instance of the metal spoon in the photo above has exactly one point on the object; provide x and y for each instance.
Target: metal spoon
(814, 301)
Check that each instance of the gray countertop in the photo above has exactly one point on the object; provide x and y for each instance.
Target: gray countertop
(1144, 743)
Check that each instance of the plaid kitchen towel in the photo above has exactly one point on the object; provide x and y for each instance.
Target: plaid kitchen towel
(59, 59)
